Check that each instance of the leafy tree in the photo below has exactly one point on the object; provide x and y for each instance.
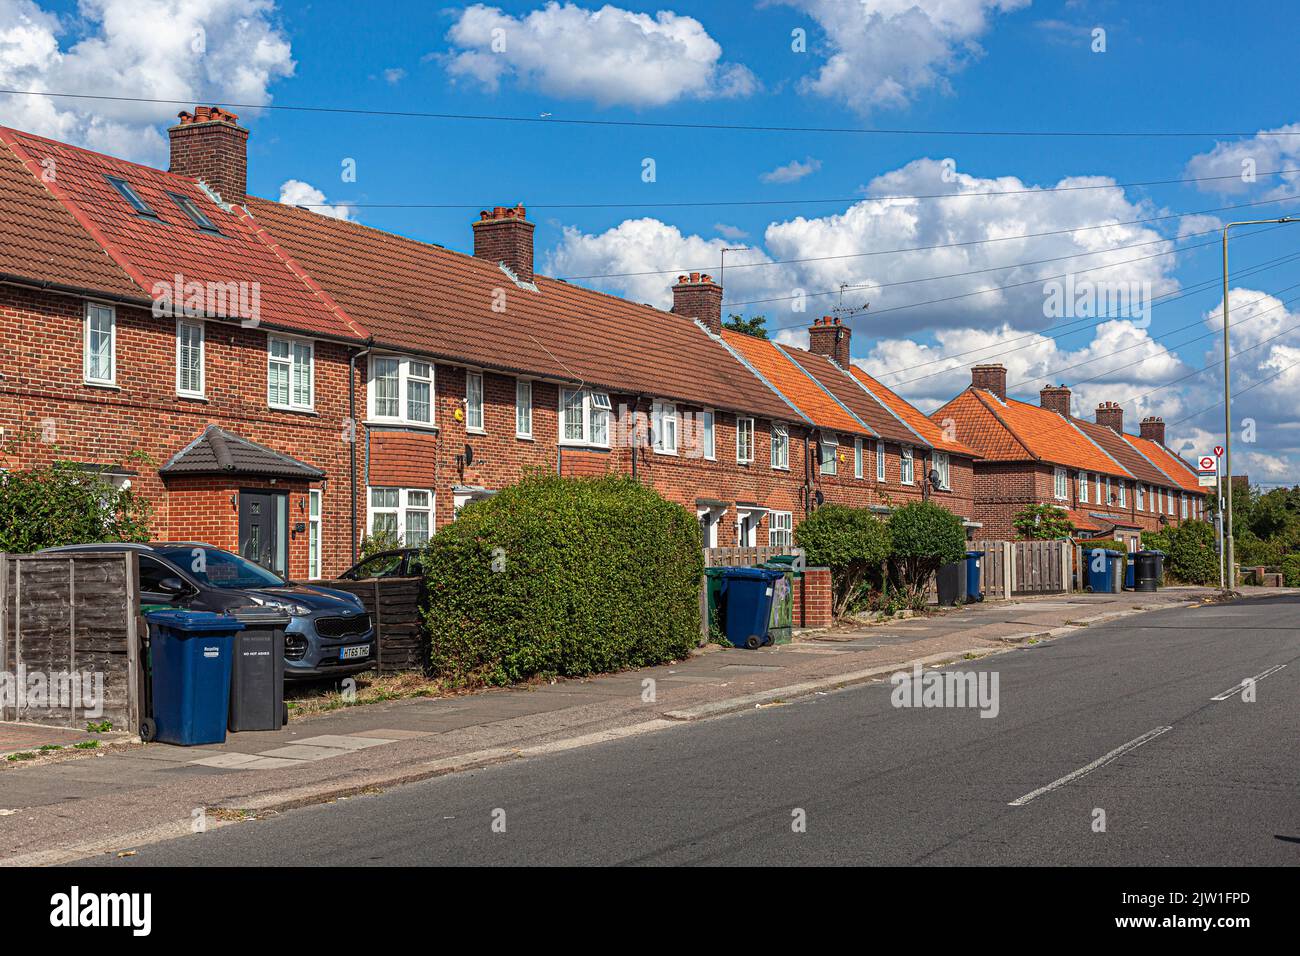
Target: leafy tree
(1043, 523)
(923, 536)
(852, 542)
(755, 325)
(63, 503)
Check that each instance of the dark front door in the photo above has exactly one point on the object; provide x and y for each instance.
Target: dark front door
(263, 529)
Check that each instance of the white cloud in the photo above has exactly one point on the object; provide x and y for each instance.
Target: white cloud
(611, 56)
(884, 52)
(729, 232)
(1239, 166)
(394, 74)
(792, 171)
(295, 192)
(171, 49)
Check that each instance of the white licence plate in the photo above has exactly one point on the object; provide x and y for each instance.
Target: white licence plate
(353, 653)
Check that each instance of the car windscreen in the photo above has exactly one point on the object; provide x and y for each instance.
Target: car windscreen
(221, 569)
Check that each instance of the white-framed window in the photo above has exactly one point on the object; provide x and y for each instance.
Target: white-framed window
(780, 446)
(401, 390)
(780, 529)
(313, 534)
(1060, 484)
(828, 451)
(584, 417)
(189, 358)
(1101, 499)
(880, 460)
(1123, 493)
(906, 465)
(857, 458)
(523, 408)
(1140, 492)
(404, 512)
(663, 425)
(1182, 506)
(474, 401)
(744, 441)
(1083, 487)
(940, 459)
(290, 374)
(100, 344)
(1109, 494)
(708, 437)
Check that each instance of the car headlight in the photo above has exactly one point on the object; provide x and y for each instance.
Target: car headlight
(289, 607)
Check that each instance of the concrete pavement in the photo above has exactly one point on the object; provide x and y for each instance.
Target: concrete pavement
(846, 777)
(133, 795)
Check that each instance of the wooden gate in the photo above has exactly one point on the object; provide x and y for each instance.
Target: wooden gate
(1025, 567)
(70, 621)
(394, 606)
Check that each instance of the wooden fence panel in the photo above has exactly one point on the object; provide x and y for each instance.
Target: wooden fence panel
(745, 557)
(64, 615)
(394, 606)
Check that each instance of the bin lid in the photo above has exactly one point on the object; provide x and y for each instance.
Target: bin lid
(193, 620)
(784, 560)
(974, 554)
(762, 574)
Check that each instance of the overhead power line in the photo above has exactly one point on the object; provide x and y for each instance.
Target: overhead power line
(652, 124)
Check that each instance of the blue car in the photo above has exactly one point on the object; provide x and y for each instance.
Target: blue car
(329, 633)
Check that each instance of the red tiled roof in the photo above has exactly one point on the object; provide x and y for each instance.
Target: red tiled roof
(1047, 436)
(1081, 520)
(852, 395)
(423, 298)
(154, 251)
(800, 389)
(1170, 464)
(1121, 451)
(980, 429)
(42, 241)
(911, 415)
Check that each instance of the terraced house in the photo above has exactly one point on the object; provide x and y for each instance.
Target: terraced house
(1110, 483)
(295, 381)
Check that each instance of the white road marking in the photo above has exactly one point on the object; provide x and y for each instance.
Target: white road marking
(1099, 762)
(1234, 691)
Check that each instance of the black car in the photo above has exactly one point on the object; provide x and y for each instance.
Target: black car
(398, 563)
(329, 633)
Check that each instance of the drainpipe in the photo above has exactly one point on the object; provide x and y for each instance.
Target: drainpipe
(352, 415)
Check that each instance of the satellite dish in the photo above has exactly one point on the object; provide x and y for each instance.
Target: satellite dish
(819, 497)
(469, 454)
(933, 477)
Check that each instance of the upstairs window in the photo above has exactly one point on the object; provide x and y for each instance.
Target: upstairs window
(1083, 487)
(100, 345)
(474, 401)
(905, 466)
(880, 461)
(584, 417)
(857, 458)
(663, 417)
(780, 446)
(401, 390)
(708, 438)
(1141, 497)
(940, 460)
(131, 196)
(290, 377)
(1123, 494)
(744, 440)
(523, 408)
(192, 210)
(827, 455)
(189, 359)
(1060, 484)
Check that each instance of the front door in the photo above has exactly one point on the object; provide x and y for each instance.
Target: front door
(263, 529)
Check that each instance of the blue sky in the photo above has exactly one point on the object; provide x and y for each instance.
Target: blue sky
(974, 65)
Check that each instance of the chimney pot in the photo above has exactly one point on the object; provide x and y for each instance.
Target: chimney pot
(1152, 428)
(1055, 398)
(505, 235)
(990, 378)
(211, 146)
(1111, 414)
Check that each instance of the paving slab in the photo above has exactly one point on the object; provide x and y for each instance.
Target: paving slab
(302, 752)
(345, 741)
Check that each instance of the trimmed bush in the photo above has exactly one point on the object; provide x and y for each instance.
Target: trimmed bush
(852, 542)
(924, 536)
(1291, 570)
(1191, 557)
(1042, 523)
(563, 577)
(65, 504)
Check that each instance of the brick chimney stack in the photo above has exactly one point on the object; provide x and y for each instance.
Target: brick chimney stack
(697, 296)
(211, 146)
(1055, 398)
(1111, 414)
(503, 235)
(1153, 429)
(991, 378)
(830, 337)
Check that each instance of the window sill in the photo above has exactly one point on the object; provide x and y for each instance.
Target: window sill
(398, 423)
(519, 437)
(665, 451)
(583, 446)
(475, 431)
(191, 398)
(780, 467)
(110, 386)
(292, 408)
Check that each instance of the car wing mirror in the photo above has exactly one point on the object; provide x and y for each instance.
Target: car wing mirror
(172, 586)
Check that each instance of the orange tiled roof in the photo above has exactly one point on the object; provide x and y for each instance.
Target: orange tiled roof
(1170, 464)
(799, 388)
(980, 429)
(912, 416)
(1049, 437)
(156, 250)
(1122, 451)
(851, 395)
(421, 297)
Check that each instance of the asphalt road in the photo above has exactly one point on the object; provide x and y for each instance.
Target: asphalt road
(879, 784)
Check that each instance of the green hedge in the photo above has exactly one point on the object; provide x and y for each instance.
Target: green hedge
(63, 503)
(924, 536)
(563, 577)
(1189, 551)
(852, 542)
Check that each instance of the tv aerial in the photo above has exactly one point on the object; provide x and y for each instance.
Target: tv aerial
(843, 311)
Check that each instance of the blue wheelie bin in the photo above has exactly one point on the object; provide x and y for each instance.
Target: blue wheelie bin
(974, 586)
(1102, 570)
(746, 597)
(190, 655)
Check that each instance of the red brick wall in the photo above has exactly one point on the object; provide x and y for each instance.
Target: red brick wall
(42, 394)
(813, 605)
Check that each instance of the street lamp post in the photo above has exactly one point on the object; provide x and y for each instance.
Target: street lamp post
(1226, 500)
